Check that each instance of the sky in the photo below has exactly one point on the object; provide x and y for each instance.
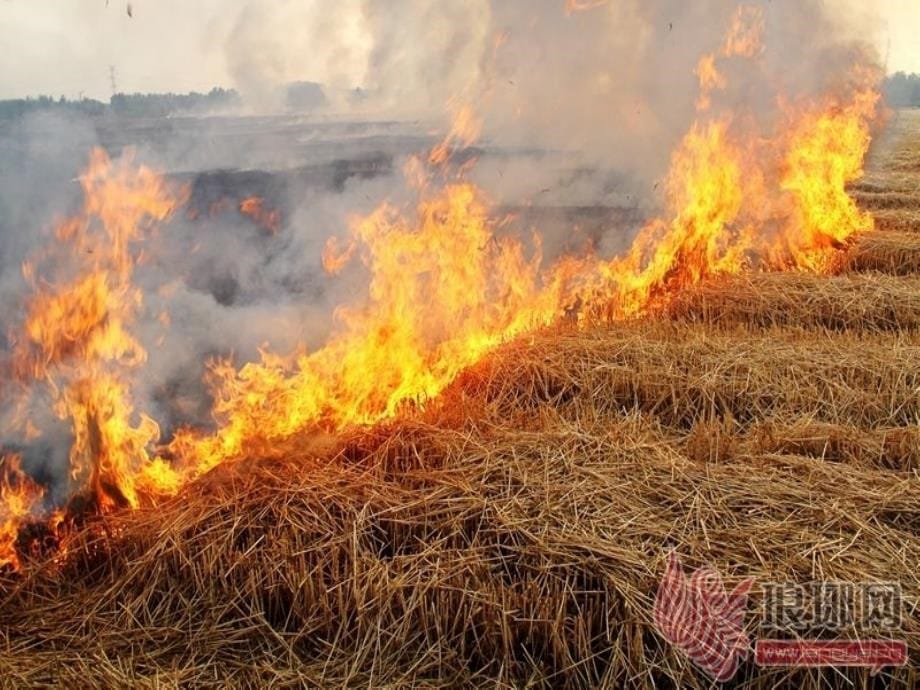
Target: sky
(68, 47)
(902, 18)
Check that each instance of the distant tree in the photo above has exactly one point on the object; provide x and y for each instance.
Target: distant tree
(305, 95)
(15, 108)
(124, 105)
(161, 104)
(903, 90)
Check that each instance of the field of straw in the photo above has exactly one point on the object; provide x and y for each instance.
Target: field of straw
(514, 532)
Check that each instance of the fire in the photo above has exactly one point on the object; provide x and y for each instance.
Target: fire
(19, 498)
(744, 36)
(743, 39)
(574, 6)
(268, 219)
(740, 198)
(825, 153)
(464, 131)
(336, 257)
(446, 287)
(710, 79)
(737, 202)
(705, 193)
(444, 291)
(75, 342)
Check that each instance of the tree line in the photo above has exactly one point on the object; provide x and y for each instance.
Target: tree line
(903, 90)
(124, 104)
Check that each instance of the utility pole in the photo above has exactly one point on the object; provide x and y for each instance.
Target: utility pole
(112, 81)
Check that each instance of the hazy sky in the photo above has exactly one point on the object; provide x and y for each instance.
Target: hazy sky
(66, 47)
(902, 18)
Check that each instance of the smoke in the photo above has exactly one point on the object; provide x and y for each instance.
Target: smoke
(272, 45)
(611, 86)
(580, 114)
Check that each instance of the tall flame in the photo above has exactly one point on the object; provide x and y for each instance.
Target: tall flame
(825, 152)
(740, 202)
(743, 39)
(76, 343)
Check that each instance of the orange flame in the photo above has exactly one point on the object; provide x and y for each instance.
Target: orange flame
(335, 258)
(574, 6)
(464, 131)
(738, 202)
(19, 498)
(742, 40)
(825, 152)
(744, 37)
(444, 291)
(704, 189)
(268, 219)
(76, 336)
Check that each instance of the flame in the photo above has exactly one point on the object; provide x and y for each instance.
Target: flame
(738, 202)
(19, 498)
(444, 291)
(336, 257)
(446, 286)
(710, 79)
(465, 130)
(825, 153)
(75, 341)
(744, 36)
(574, 6)
(268, 219)
(706, 195)
(743, 39)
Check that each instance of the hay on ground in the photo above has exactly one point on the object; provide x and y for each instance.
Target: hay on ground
(682, 374)
(854, 302)
(419, 555)
(891, 252)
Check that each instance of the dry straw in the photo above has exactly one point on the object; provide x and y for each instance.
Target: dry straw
(856, 302)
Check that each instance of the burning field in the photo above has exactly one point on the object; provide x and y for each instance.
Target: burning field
(476, 476)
